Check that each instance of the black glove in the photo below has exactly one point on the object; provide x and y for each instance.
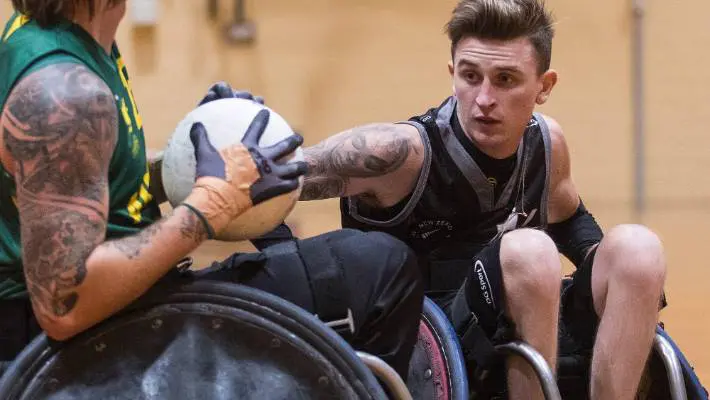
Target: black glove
(272, 179)
(222, 90)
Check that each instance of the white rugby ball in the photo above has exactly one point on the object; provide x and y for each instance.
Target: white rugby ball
(226, 122)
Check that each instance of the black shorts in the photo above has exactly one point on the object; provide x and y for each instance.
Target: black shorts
(371, 275)
(481, 272)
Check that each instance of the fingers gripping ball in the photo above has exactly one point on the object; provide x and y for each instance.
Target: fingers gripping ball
(225, 122)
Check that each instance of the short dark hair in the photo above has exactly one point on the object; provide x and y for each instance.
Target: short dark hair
(50, 12)
(504, 20)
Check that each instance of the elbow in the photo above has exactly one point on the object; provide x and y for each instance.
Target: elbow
(59, 332)
(59, 328)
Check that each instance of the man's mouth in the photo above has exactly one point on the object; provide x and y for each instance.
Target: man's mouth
(487, 120)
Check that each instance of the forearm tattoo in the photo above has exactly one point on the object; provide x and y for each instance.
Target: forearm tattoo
(190, 227)
(60, 127)
(363, 152)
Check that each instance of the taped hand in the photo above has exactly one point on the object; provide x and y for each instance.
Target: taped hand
(231, 180)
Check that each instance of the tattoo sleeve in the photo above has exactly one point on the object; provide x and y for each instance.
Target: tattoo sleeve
(363, 152)
(59, 126)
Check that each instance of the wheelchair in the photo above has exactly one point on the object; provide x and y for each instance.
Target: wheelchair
(218, 340)
(668, 374)
(197, 340)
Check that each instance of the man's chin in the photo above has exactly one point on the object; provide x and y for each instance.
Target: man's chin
(488, 136)
(494, 143)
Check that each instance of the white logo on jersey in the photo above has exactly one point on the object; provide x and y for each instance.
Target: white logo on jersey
(428, 228)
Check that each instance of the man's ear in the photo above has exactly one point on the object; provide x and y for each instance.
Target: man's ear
(548, 79)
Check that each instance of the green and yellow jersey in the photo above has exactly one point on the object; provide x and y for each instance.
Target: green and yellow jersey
(26, 47)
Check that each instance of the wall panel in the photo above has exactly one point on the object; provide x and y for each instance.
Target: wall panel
(678, 103)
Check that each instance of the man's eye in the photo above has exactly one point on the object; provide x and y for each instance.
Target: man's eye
(506, 79)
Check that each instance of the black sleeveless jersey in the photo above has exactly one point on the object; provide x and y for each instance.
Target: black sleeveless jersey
(453, 203)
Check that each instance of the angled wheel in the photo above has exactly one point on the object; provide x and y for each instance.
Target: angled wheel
(197, 340)
(437, 370)
(669, 374)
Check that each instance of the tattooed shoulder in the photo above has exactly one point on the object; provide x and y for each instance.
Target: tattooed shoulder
(65, 117)
(59, 127)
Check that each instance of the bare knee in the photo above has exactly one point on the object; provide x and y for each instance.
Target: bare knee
(635, 256)
(531, 264)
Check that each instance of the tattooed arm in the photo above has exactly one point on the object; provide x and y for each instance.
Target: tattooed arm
(377, 160)
(59, 129)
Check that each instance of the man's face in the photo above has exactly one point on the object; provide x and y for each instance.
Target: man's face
(497, 86)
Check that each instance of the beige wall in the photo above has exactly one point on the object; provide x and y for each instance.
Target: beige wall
(678, 103)
(336, 64)
(327, 65)
(343, 63)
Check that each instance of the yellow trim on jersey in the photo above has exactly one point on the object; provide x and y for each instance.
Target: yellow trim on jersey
(140, 198)
(19, 21)
(126, 116)
(127, 85)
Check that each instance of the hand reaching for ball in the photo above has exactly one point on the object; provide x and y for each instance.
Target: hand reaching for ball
(222, 90)
(231, 180)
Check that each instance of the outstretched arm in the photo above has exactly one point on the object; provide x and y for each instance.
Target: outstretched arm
(369, 159)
